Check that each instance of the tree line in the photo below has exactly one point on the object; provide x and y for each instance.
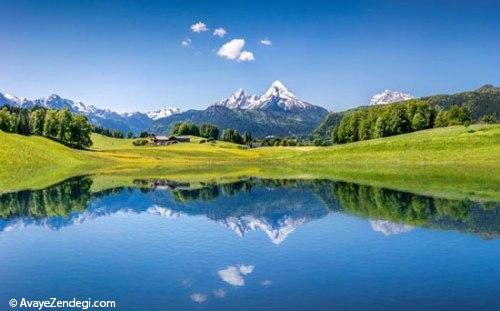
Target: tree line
(60, 125)
(212, 132)
(394, 119)
(112, 133)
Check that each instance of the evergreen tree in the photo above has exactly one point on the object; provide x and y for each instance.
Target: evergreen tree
(247, 138)
(22, 123)
(233, 136)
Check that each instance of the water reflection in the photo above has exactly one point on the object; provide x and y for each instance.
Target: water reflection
(276, 207)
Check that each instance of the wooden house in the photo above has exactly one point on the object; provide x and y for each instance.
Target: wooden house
(168, 140)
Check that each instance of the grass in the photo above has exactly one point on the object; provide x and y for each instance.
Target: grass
(452, 162)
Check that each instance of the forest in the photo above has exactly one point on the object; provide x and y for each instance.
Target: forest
(60, 125)
(398, 118)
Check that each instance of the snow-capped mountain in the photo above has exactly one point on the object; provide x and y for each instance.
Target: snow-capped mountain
(388, 96)
(277, 97)
(277, 231)
(133, 121)
(276, 112)
(163, 113)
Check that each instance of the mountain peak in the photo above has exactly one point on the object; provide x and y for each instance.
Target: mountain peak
(53, 97)
(388, 96)
(488, 88)
(277, 97)
(278, 89)
(163, 113)
(239, 93)
(278, 84)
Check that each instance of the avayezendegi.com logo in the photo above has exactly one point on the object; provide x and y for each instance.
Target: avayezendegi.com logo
(57, 303)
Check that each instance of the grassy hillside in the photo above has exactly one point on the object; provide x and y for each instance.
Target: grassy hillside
(34, 161)
(452, 161)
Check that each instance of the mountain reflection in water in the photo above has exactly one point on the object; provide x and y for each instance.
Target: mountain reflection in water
(276, 207)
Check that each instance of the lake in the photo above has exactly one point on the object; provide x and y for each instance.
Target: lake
(254, 244)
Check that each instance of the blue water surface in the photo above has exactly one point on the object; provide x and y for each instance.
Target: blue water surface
(256, 245)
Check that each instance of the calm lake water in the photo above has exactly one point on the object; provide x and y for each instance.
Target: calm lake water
(251, 245)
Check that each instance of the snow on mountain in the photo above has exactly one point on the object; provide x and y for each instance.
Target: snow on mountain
(389, 228)
(388, 96)
(163, 113)
(276, 97)
(133, 121)
(277, 233)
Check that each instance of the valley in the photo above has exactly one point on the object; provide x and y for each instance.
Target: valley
(455, 162)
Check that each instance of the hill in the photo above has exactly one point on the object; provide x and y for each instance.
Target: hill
(260, 123)
(485, 100)
(31, 161)
(452, 161)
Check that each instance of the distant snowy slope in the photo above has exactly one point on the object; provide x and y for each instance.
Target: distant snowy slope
(387, 97)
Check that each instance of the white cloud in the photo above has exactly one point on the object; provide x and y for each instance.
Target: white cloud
(266, 283)
(219, 293)
(234, 275)
(231, 49)
(266, 41)
(186, 43)
(221, 32)
(198, 297)
(199, 27)
(246, 269)
(246, 56)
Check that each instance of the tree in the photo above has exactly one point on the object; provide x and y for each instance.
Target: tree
(247, 138)
(418, 122)
(23, 123)
(63, 125)
(209, 131)
(130, 135)
(489, 118)
(380, 128)
(441, 119)
(364, 130)
(232, 135)
(117, 134)
(459, 115)
(37, 121)
(397, 120)
(186, 128)
(50, 125)
(144, 135)
(5, 120)
(79, 132)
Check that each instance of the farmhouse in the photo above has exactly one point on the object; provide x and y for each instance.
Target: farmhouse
(168, 140)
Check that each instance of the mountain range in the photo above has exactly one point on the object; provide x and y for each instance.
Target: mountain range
(388, 97)
(276, 112)
(134, 122)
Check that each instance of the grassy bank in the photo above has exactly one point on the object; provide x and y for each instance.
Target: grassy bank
(454, 162)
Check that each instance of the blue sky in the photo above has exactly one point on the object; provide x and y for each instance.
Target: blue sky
(128, 56)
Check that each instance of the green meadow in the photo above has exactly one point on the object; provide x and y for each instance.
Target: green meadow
(455, 162)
